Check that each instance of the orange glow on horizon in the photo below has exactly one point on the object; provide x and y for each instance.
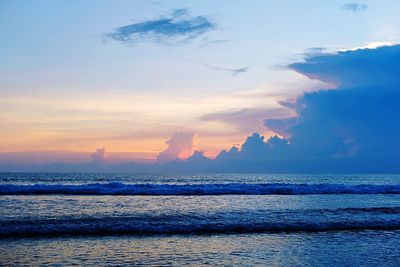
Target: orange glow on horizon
(120, 150)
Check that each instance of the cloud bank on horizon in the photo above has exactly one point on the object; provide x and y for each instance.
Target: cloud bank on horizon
(353, 127)
(177, 27)
(356, 121)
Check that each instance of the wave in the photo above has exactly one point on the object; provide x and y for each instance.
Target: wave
(385, 218)
(116, 188)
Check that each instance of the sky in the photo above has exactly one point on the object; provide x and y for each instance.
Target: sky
(151, 81)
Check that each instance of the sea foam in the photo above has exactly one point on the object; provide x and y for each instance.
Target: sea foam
(116, 188)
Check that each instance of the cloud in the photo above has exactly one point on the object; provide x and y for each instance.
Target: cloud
(233, 71)
(351, 128)
(249, 119)
(354, 7)
(198, 157)
(180, 146)
(358, 118)
(353, 68)
(99, 156)
(281, 126)
(175, 28)
(208, 42)
(257, 149)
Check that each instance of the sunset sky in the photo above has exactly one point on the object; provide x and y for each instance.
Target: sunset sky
(76, 76)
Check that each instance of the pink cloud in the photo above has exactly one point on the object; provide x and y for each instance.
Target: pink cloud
(180, 146)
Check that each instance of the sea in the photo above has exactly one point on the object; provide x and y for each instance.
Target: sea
(105, 219)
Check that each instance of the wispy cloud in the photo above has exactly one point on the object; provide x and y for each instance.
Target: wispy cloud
(233, 71)
(177, 27)
(355, 7)
(208, 42)
(248, 119)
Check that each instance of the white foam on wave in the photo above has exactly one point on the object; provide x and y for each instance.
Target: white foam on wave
(117, 188)
(304, 221)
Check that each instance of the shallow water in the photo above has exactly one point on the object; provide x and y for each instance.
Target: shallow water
(274, 228)
(366, 248)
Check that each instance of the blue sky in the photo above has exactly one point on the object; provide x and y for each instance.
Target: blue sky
(67, 86)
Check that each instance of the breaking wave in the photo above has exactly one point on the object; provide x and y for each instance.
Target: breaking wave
(116, 188)
(385, 218)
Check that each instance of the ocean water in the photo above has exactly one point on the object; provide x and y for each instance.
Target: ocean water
(210, 219)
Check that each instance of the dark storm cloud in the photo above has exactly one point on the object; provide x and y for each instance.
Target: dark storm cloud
(354, 126)
(354, 68)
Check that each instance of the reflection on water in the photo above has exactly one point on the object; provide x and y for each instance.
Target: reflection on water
(367, 248)
(83, 178)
